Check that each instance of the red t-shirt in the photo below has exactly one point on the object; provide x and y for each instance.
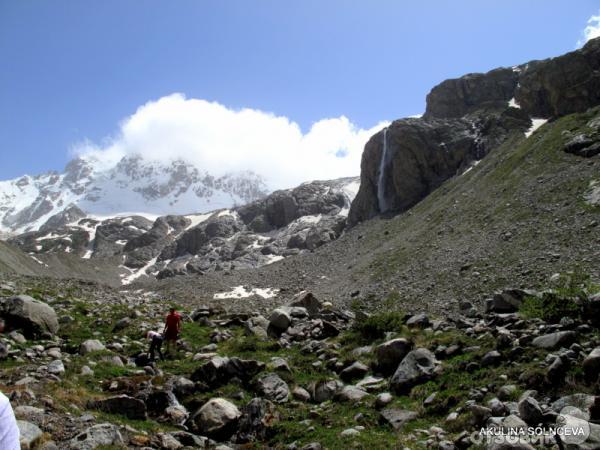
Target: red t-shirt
(173, 321)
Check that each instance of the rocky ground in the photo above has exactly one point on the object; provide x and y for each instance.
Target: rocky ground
(306, 375)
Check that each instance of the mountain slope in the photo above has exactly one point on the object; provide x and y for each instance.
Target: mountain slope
(528, 210)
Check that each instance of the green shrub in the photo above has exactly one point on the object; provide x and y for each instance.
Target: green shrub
(375, 326)
(551, 307)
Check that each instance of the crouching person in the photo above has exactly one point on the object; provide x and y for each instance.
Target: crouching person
(156, 341)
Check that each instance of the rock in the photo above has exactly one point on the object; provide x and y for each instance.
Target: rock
(280, 320)
(56, 367)
(480, 414)
(168, 442)
(86, 371)
(507, 391)
(32, 316)
(91, 345)
(322, 391)
(130, 407)
(256, 326)
(591, 365)
(29, 414)
(417, 367)
(507, 301)
(350, 432)
(3, 351)
(219, 370)
(217, 419)
(354, 371)
(582, 402)
(30, 434)
(492, 358)
(273, 388)
(121, 324)
(279, 364)
(308, 301)
(397, 417)
(554, 340)
(17, 337)
(391, 353)
(418, 321)
(105, 434)
(351, 394)
(383, 399)
(530, 411)
(556, 371)
(257, 421)
(301, 394)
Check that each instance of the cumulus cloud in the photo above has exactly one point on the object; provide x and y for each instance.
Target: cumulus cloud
(222, 140)
(591, 31)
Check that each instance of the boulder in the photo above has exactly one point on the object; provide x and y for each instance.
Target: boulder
(354, 371)
(91, 345)
(280, 319)
(555, 340)
(507, 301)
(33, 317)
(30, 434)
(104, 434)
(530, 411)
(308, 301)
(397, 417)
(322, 391)
(418, 321)
(391, 353)
(417, 367)
(272, 387)
(130, 407)
(351, 394)
(257, 421)
(217, 419)
(219, 370)
(591, 365)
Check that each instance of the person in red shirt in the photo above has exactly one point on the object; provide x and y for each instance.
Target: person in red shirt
(172, 330)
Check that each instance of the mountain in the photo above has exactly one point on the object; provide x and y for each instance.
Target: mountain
(282, 224)
(90, 187)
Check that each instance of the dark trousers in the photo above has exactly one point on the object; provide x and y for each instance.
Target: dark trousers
(155, 346)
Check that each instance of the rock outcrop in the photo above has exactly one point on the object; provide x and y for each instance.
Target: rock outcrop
(464, 120)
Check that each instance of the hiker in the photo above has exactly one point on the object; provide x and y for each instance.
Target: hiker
(156, 341)
(172, 330)
(9, 431)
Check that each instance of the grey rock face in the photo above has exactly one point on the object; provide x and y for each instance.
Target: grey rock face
(32, 316)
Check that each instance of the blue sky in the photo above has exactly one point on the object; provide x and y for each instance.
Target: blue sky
(72, 71)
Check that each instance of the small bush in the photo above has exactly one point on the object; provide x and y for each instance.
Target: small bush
(375, 326)
(550, 307)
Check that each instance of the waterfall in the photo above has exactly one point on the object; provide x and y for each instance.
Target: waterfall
(383, 206)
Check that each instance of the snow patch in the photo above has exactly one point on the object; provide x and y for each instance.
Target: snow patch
(242, 292)
(536, 123)
(513, 103)
(273, 258)
(135, 275)
(197, 219)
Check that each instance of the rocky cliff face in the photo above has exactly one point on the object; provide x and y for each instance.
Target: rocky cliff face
(284, 223)
(465, 119)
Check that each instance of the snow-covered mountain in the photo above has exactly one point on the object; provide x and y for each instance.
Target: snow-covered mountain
(133, 185)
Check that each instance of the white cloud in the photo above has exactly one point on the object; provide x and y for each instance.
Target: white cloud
(591, 31)
(221, 140)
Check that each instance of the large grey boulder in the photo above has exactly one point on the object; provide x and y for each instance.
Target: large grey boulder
(34, 317)
(220, 370)
(217, 419)
(280, 319)
(417, 367)
(308, 301)
(103, 434)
